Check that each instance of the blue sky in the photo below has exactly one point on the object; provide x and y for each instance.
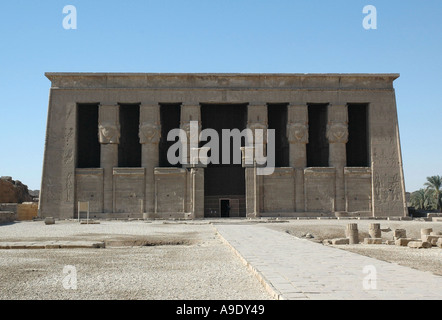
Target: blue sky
(290, 36)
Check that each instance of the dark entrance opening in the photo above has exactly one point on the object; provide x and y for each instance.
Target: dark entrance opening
(129, 149)
(225, 208)
(277, 120)
(357, 145)
(88, 146)
(170, 115)
(317, 148)
(224, 180)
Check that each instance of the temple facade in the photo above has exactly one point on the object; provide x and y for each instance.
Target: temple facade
(336, 146)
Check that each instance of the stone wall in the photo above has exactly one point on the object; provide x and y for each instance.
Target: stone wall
(7, 217)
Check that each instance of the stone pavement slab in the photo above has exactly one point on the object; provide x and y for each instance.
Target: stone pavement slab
(51, 245)
(293, 268)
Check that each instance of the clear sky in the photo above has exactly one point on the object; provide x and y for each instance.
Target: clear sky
(287, 36)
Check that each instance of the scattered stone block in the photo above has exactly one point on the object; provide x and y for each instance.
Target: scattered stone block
(400, 234)
(403, 242)
(90, 222)
(352, 233)
(340, 241)
(373, 241)
(390, 242)
(439, 243)
(438, 233)
(426, 231)
(49, 221)
(374, 230)
(431, 239)
(419, 245)
(326, 242)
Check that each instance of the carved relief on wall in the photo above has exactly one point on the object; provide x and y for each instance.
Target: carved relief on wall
(387, 188)
(337, 133)
(297, 133)
(109, 133)
(149, 133)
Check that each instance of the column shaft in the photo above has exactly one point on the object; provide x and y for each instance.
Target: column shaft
(150, 134)
(337, 134)
(109, 136)
(297, 132)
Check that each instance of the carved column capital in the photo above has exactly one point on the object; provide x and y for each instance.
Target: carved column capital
(109, 133)
(337, 132)
(298, 133)
(149, 133)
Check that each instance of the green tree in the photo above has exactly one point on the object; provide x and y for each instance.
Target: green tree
(421, 199)
(434, 185)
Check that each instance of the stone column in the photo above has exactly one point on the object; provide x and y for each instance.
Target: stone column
(197, 176)
(150, 134)
(374, 230)
(257, 118)
(109, 136)
(190, 112)
(337, 135)
(297, 134)
(352, 233)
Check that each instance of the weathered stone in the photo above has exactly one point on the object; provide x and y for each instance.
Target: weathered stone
(374, 230)
(437, 233)
(146, 189)
(7, 216)
(431, 239)
(352, 233)
(439, 243)
(340, 241)
(327, 242)
(403, 242)
(49, 221)
(13, 191)
(390, 242)
(426, 231)
(419, 245)
(373, 241)
(399, 234)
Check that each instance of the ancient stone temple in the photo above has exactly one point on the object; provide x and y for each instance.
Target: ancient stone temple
(336, 146)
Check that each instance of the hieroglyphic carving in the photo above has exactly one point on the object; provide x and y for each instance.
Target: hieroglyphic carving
(52, 190)
(337, 132)
(109, 133)
(297, 133)
(387, 187)
(69, 187)
(149, 133)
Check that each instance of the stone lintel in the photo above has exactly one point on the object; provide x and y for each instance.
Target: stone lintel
(319, 171)
(128, 171)
(169, 171)
(89, 171)
(360, 171)
(286, 81)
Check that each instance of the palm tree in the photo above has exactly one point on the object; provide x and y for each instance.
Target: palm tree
(421, 199)
(434, 183)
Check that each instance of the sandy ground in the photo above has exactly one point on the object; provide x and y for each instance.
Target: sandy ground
(170, 260)
(422, 259)
(195, 265)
